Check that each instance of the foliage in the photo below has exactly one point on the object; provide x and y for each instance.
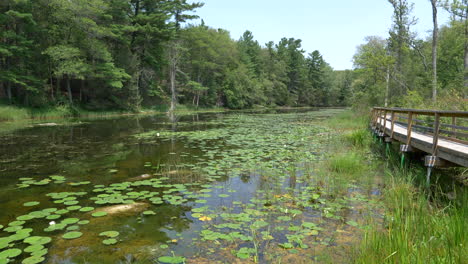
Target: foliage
(119, 54)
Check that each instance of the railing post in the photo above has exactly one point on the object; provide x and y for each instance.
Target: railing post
(410, 128)
(436, 134)
(454, 123)
(385, 121)
(393, 124)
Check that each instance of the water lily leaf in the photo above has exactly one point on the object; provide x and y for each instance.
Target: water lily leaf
(33, 260)
(110, 234)
(34, 248)
(24, 217)
(110, 241)
(286, 245)
(10, 253)
(37, 240)
(83, 222)
(72, 235)
(86, 209)
(29, 204)
(16, 223)
(53, 217)
(171, 259)
(70, 221)
(99, 214)
(40, 253)
(73, 208)
(352, 223)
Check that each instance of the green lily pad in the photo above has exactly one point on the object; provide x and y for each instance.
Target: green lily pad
(29, 204)
(24, 217)
(16, 223)
(110, 234)
(73, 228)
(171, 259)
(12, 229)
(37, 240)
(99, 214)
(73, 208)
(86, 209)
(149, 212)
(83, 222)
(70, 221)
(10, 253)
(34, 248)
(53, 217)
(72, 235)
(40, 253)
(110, 241)
(33, 260)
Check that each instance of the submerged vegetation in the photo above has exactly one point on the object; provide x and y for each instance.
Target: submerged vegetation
(262, 187)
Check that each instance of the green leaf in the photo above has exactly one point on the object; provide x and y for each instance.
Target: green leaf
(171, 260)
(72, 235)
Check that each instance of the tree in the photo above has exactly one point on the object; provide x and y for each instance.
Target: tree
(459, 10)
(68, 63)
(434, 50)
(400, 38)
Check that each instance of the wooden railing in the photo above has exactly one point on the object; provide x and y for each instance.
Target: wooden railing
(448, 125)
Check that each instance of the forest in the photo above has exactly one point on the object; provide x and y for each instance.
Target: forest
(143, 54)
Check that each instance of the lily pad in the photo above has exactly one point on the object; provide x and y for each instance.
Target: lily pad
(72, 235)
(110, 234)
(34, 248)
(33, 260)
(171, 259)
(99, 214)
(149, 212)
(110, 241)
(86, 209)
(37, 240)
(29, 204)
(10, 253)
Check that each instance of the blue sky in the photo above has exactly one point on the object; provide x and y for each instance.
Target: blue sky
(335, 28)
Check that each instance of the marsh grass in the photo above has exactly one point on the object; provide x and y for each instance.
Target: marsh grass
(348, 163)
(417, 230)
(12, 113)
(420, 225)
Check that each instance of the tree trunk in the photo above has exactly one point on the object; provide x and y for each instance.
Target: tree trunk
(198, 99)
(387, 91)
(466, 47)
(434, 50)
(57, 93)
(8, 90)
(81, 90)
(173, 69)
(69, 91)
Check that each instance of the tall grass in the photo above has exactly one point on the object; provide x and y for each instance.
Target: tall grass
(417, 230)
(420, 226)
(11, 113)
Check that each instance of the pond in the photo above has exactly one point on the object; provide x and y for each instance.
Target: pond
(234, 187)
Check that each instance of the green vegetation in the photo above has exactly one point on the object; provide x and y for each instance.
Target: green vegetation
(419, 227)
(396, 71)
(139, 54)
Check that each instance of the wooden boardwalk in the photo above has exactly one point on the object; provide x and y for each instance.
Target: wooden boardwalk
(436, 133)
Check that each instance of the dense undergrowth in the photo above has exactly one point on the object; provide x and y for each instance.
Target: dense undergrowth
(15, 113)
(420, 225)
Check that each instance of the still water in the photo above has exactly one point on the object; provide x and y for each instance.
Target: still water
(237, 187)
